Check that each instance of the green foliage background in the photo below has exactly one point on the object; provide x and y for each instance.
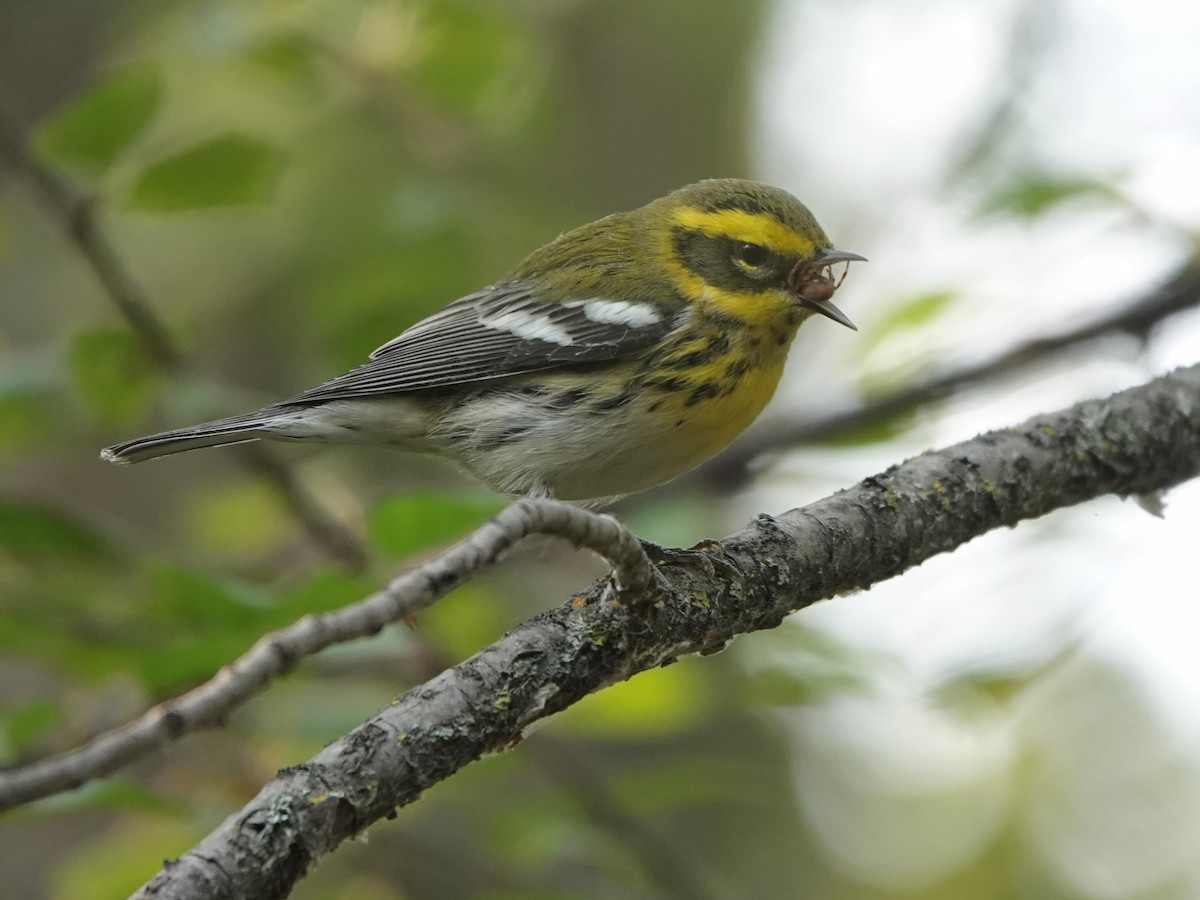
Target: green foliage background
(289, 184)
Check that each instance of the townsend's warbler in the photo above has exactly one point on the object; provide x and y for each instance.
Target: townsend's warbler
(612, 359)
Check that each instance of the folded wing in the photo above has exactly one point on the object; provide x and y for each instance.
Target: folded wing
(500, 331)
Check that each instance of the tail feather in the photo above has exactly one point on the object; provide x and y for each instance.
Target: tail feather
(234, 430)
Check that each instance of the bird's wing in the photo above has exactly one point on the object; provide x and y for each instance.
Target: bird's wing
(502, 330)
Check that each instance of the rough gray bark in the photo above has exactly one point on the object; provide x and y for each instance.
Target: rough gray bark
(1144, 439)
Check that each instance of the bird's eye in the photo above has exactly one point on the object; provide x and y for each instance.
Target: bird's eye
(752, 254)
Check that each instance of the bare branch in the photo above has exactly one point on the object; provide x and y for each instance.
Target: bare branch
(281, 651)
(1181, 292)
(76, 210)
(1144, 439)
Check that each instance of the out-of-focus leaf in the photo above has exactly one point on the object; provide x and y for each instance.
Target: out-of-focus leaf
(466, 622)
(37, 535)
(535, 832)
(246, 518)
(655, 703)
(114, 862)
(778, 686)
(24, 420)
(801, 665)
(879, 431)
(682, 781)
(911, 313)
(970, 695)
(984, 691)
(92, 132)
(191, 624)
(187, 596)
(292, 55)
(1035, 193)
(188, 661)
(407, 523)
(323, 592)
(23, 726)
(467, 50)
(368, 299)
(112, 371)
(228, 170)
(112, 794)
(57, 639)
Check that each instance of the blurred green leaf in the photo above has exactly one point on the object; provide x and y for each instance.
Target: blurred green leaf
(180, 663)
(655, 703)
(467, 50)
(92, 132)
(682, 780)
(323, 592)
(244, 517)
(228, 170)
(533, 833)
(877, 432)
(805, 666)
(34, 534)
(976, 692)
(364, 298)
(466, 621)
(205, 624)
(24, 725)
(969, 696)
(24, 421)
(1032, 194)
(112, 371)
(292, 55)
(407, 523)
(112, 794)
(779, 686)
(188, 596)
(912, 313)
(112, 861)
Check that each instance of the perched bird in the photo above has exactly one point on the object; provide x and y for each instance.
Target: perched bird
(612, 359)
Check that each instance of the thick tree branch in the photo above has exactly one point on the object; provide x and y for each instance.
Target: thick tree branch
(281, 651)
(76, 210)
(1144, 439)
(1181, 292)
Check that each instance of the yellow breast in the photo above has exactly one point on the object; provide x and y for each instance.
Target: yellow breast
(710, 423)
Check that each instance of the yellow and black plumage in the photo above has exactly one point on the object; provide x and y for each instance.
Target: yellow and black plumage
(612, 359)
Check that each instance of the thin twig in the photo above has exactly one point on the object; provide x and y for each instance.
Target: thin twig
(281, 651)
(76, 209)
(1180, 293)
(77, 212)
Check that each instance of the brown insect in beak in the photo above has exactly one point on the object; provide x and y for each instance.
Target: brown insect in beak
(813, 284)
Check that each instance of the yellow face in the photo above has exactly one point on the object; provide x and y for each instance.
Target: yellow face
(743, 250)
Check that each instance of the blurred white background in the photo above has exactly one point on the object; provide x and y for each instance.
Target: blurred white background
(1097, 755)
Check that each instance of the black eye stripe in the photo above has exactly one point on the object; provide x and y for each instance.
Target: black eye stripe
(718, 261)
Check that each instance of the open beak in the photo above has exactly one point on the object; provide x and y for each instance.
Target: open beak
(826, 308)
(813, 289)
(827, 257)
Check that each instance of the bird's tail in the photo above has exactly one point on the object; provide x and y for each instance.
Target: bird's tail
(234, 430)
